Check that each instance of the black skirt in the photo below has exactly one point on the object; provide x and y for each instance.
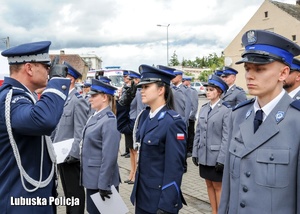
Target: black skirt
(210, 173)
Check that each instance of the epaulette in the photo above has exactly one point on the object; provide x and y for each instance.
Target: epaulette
(174, 115)
(78, 95)
(193, 88)
(239, 88)
(110, 114)
(296, 104)
(244, 103)
(204, 104)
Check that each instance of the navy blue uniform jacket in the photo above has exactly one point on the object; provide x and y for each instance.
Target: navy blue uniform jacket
(29, 122)
(161, 162)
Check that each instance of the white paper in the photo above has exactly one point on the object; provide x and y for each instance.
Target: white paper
(114, 204)
(62, 149)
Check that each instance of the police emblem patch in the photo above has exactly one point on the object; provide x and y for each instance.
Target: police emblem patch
(279, 116)
(251, 37)
(248, 113)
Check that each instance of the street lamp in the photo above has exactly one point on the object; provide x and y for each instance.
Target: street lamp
(6, 41)
(166, 26)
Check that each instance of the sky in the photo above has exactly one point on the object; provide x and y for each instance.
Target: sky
(125, 32)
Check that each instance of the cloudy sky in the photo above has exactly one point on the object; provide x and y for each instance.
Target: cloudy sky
(125, 32)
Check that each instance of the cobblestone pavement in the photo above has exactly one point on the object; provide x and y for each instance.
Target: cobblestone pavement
(193, 187)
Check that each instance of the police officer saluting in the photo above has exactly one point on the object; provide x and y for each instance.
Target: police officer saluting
(234, 95)
(27, 160)
(261, 173)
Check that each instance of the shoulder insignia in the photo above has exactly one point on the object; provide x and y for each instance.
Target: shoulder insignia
(110, 114)
(17, 98)
(239, 88)
(296, 104)
(204, 104)
(244, 103)
(78, 95)
(174, 114)
(162, 115)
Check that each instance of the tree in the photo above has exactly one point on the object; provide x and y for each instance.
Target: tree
(174, 60)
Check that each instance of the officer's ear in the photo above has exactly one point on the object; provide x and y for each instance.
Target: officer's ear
(284, 73)
(28, 68)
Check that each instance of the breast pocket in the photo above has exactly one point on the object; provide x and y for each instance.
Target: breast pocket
(272, 167)
(150, 146)
(66, 118)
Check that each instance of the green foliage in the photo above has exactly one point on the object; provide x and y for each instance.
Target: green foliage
(174, 60)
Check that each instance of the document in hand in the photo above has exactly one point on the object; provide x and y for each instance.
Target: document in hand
(114, 204)
(62, 149)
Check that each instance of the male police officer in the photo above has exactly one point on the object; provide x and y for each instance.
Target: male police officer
(27, 159)
(234, 94)
(262, 168)
(71, 124)
(292, 82)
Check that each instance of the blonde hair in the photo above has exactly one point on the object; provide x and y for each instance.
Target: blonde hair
(112, 102)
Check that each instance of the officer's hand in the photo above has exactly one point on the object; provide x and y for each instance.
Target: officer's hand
(195, 161)
(58, 71)
(219, 167)
(159, 211)
(128, 95)
(104, 194)
(70, 159)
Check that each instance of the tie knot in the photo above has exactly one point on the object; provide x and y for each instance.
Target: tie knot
(259, 115)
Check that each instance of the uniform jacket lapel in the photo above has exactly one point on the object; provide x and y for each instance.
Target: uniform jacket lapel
(215, 109)
(70, 97)
(266, 130)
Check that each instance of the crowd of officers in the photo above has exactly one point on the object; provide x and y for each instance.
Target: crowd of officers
(245, 148)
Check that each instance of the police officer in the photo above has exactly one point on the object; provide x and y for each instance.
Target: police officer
(218, 72)
(71, 124)
(234, 94)
(192, 93)
(261, 173)
(100, 145)
(211, 139)
(27, 159)
(292, 83)
(162, 136)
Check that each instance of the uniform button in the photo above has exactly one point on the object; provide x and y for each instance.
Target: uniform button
(248, 174)
(159, 186)
(149, 141)
(242, 204)
(245, 189)
(63, 87)
(234, 150)
(176, 205)
(272, 158)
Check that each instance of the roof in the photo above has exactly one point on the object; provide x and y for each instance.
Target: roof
(292, 9)
(73, 59)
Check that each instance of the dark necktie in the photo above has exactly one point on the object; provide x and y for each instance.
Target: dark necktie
(209, 110)
(258, 119)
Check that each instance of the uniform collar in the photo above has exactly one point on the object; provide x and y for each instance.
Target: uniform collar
(294, 92)
(152, 114)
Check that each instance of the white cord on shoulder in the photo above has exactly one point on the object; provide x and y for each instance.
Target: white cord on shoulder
(23, 174)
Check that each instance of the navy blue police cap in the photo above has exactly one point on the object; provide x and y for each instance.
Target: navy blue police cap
(133, 74)
(105, 79)
(228, 71)
(215, 81)
(29, 52)
(178, 72)
(150, 74)
(218, 73)
(87, 83)
(72, 71)
(295, 65)
(99, 86)
(263, 47)
(125, 73)
(166, 68)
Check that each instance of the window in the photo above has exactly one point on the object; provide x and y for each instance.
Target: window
(294, 38)
(266, 14)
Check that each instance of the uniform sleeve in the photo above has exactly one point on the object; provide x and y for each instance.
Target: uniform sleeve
(42, 117)
(194, 96)
(224, 201)
(196, 138)
(241, 96)
(81, 111)
(110, 147)
(125, 124)
(175, 148)
(225, 136)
